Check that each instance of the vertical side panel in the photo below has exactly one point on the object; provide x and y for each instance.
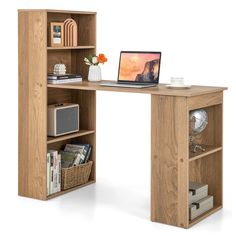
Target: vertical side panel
(32, 55)
(169, 160)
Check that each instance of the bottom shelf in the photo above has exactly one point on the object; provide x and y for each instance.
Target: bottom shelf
(204, 215)
(69, 190)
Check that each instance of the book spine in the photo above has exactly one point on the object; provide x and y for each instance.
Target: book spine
(83, 155)
(55, 164)
(77, 160)
(51, 180)
(88, 154)
(59, 173)
(53, 173)
(48, 173)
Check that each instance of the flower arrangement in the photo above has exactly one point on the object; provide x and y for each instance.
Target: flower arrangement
(95, 60)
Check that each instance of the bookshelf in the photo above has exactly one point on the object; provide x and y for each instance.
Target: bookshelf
(37, 59)
(172, 164)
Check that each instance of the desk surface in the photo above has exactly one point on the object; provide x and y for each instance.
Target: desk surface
(161, 89)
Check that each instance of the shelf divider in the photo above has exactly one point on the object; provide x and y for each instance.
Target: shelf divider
(204, 215)
(77, 47)
(209, 150)
(70, 189)
(69, 136)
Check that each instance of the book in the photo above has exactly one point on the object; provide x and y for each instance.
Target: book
(54, 163)
(59, 173)
(53, 172)
(61, 77)
(67, 159)
(80, 149)
(64, 81)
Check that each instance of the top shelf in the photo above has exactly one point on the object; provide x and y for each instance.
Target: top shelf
(65, 48)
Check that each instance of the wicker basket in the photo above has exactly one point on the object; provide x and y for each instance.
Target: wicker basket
(76, 175)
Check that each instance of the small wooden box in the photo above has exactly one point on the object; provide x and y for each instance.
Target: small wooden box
(197, 191)
(201, 206)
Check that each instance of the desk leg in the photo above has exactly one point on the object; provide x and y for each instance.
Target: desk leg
(169, 160)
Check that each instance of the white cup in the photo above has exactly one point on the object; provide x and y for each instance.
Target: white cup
(177, 80)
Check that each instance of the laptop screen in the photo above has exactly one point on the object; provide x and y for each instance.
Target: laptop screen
(140, 67)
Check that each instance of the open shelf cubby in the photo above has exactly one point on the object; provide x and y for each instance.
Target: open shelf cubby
(208, 170)
(206, 166)
(86, 23)
(211, 136)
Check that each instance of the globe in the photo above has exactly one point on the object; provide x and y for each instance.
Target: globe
(198, 121)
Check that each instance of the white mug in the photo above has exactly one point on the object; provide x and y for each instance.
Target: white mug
(177, 80)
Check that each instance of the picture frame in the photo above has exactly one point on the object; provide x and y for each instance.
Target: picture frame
(57, 34)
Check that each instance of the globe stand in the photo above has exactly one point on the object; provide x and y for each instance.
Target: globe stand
(195, 147)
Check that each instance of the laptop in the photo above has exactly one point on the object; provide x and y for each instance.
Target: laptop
(137, 70)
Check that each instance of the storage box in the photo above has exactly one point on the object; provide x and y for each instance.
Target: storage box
(197, 191)
(201, 206)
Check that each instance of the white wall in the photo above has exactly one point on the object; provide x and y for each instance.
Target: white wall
(197, 40)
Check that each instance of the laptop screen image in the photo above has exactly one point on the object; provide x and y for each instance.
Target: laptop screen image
(140, 67)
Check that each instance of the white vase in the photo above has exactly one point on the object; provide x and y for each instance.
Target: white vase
(95, 73)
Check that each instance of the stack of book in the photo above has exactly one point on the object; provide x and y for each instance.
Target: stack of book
(63, 79)
(53, 172)
(75, 154)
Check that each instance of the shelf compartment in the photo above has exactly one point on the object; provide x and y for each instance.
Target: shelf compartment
(66, 48)
(204, 215)
(73, 59)
(208, 170)
(69, 136)
(69, 190)
(200, 154)
(86, 25)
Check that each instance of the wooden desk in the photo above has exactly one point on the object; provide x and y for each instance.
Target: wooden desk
(172, 165)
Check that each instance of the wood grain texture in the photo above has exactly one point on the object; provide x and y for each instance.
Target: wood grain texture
(205, 100)
(32, 104)
(161, 89)
(169, 160)
(59, 57)
(86, 28)
(59, 96)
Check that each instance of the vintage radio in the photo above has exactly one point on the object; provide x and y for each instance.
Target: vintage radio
(63, 119)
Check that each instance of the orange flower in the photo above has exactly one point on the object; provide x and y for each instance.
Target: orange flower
(102, 58)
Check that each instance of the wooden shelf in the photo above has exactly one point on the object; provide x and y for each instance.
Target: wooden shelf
(69, 190)
(199, 154)
(69, 136)
(65, 48)
(204, 215)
